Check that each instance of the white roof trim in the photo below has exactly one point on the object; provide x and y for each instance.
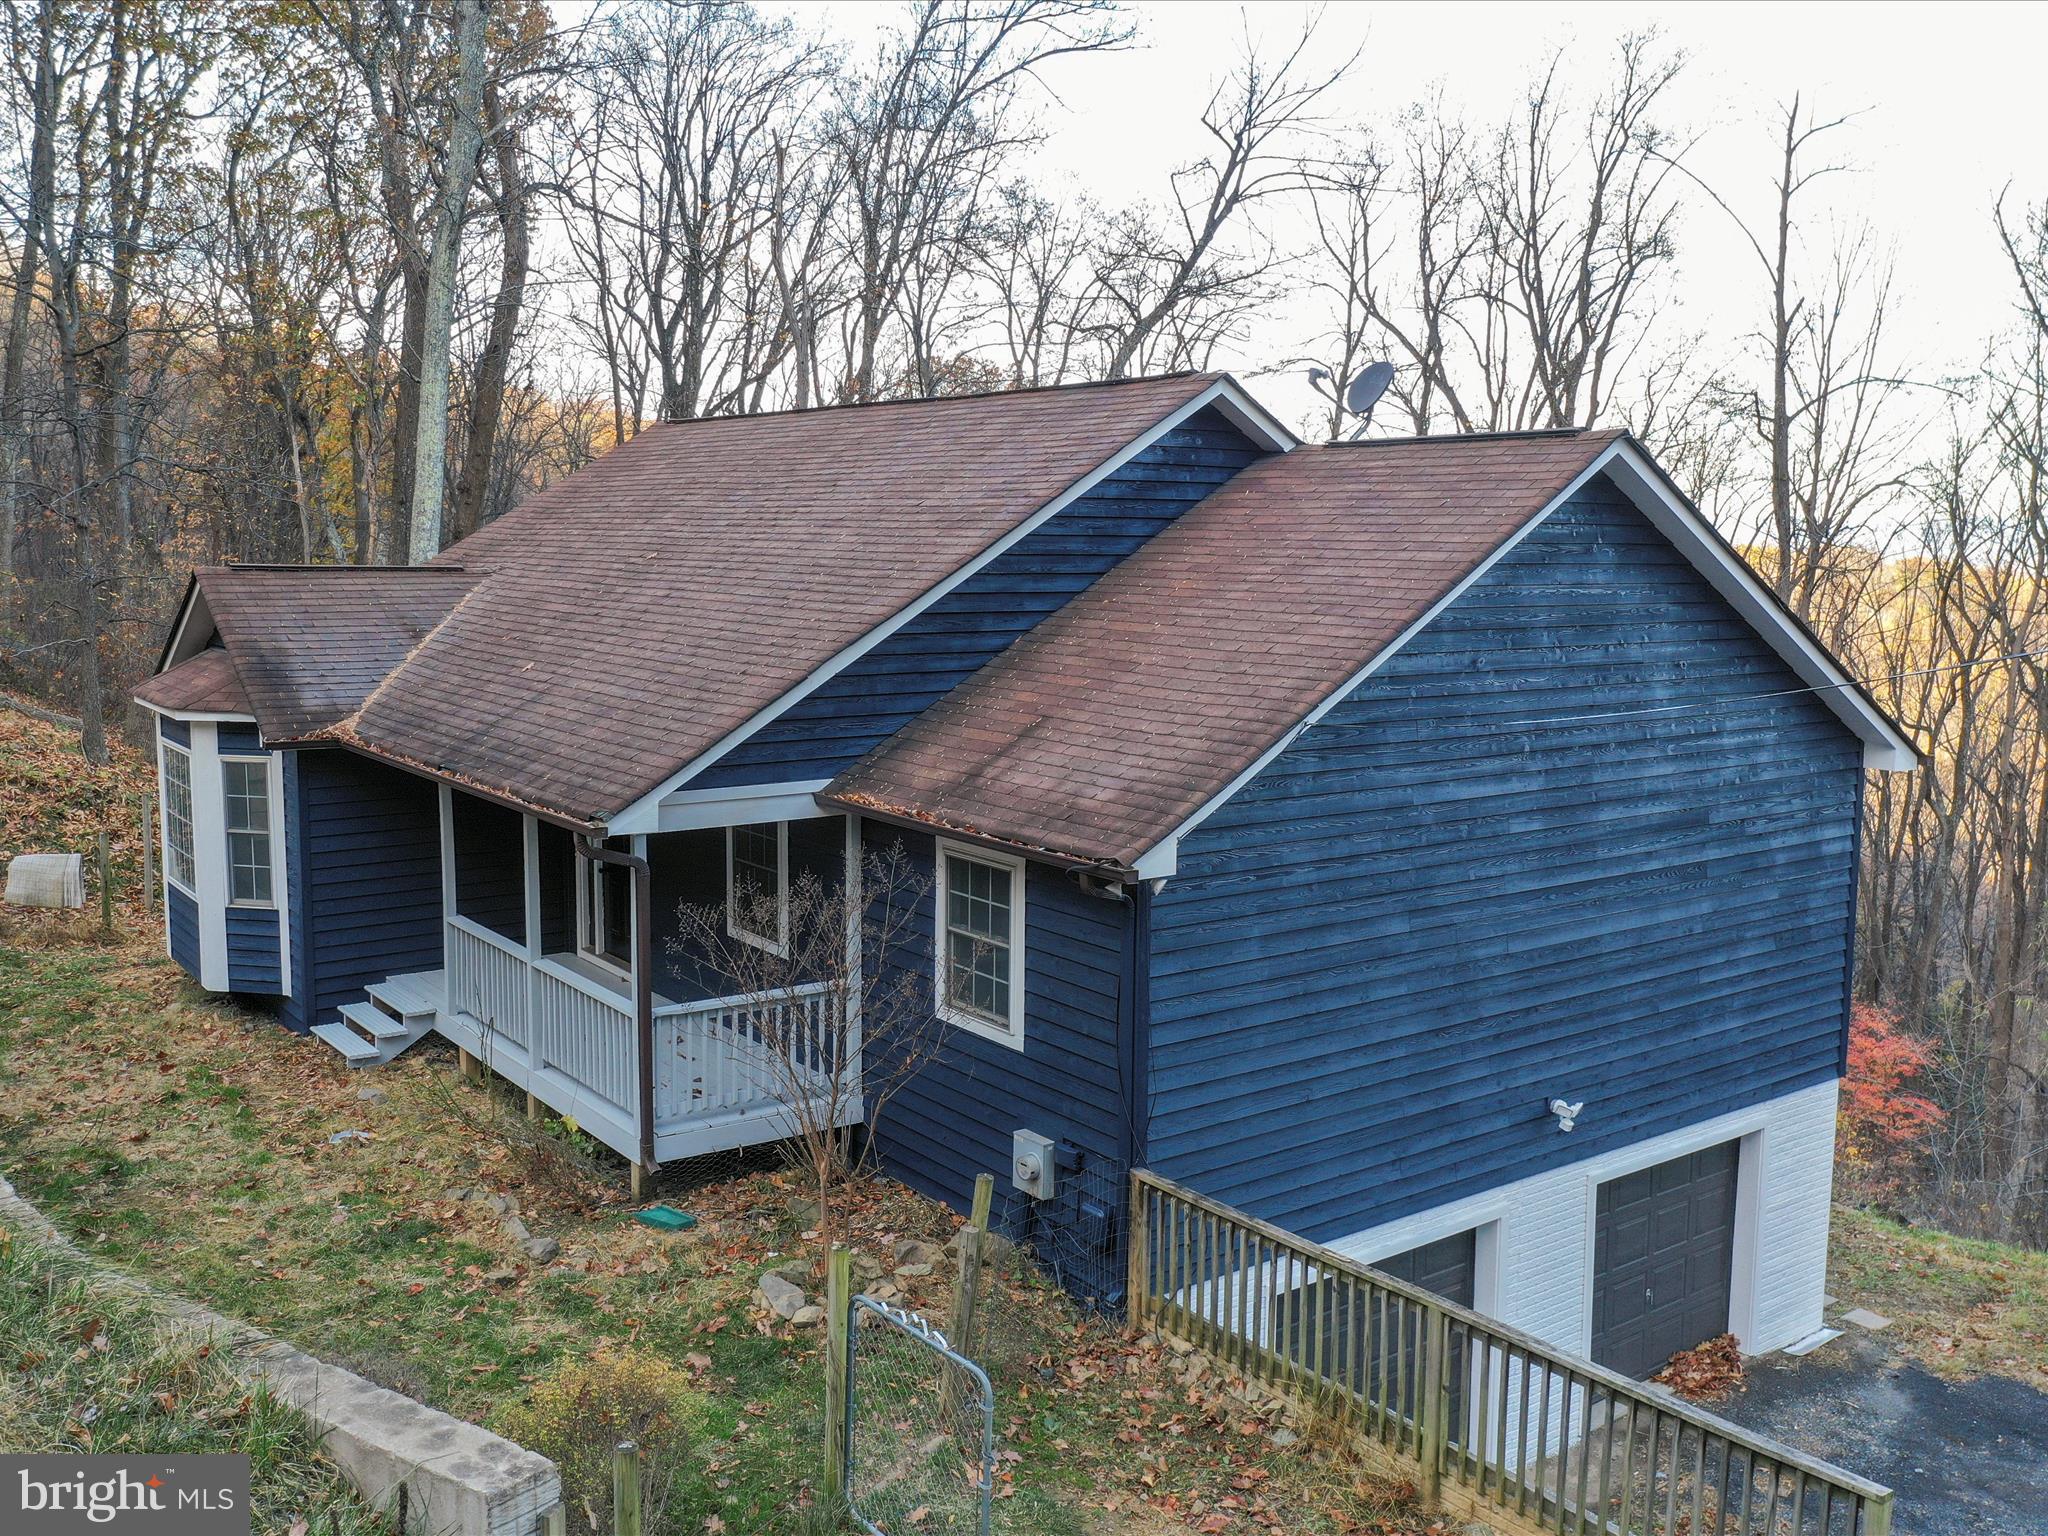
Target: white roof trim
(1225, 394)
(1637, 476)
(197, 714)
(186, 640)
(687, 810)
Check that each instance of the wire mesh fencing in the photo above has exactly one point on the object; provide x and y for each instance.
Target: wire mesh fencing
(1075, 1237)
(920, 1437)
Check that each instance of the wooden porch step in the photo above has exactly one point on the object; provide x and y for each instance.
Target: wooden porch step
(375, 1022)
(416, 995)
(355, 1050)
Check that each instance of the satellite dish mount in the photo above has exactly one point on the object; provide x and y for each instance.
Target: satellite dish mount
(1360, 395)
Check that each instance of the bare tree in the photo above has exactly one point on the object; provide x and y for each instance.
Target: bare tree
(838, 1029)
(1173, 282)
(922, 134)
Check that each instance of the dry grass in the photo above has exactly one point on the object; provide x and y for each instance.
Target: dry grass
(1960, 1306)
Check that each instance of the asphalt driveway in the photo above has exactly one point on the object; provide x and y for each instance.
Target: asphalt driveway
(1966, 1458)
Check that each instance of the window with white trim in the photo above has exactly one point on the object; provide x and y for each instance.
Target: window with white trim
(245, 812)
(757, 885)
(178, 867)
(979, 915)
(604, 912)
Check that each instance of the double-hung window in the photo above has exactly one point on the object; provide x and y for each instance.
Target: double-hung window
(178, 859)
(757, 885)
(245, 811)
(604, 927)
(980, 942)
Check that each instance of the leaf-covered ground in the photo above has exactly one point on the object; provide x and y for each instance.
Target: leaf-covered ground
(200, 1145)
(1959, 1306)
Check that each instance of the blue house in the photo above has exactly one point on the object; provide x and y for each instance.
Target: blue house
(1442, 847)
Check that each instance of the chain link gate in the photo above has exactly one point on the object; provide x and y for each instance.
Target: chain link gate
(920, 1427)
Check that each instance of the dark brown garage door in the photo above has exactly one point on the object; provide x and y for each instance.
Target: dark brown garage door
(1447, 1267)
(1663, 1253)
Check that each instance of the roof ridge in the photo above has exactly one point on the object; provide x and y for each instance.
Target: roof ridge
(328, 566)
(972, 394)
(1521, 434)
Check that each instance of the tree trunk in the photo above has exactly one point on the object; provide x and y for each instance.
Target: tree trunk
(487, 402)
(437, 309)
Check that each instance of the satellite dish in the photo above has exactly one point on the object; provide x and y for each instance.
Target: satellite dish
(1365, 390)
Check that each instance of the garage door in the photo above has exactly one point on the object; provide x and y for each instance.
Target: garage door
(1663, 1253)
(1446, 1267)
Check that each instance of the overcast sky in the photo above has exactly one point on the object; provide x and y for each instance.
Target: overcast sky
(1950, 99)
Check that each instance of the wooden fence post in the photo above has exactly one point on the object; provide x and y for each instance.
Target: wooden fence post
(966, 1291)
(1430, 1436)
(626, 1489)
(1140, 1260)
(148, 852)
(555, 1522)
(838, 1301)
(105, 850)
(1877, 1517)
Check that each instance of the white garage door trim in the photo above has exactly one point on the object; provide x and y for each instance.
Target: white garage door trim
(1753, 1131)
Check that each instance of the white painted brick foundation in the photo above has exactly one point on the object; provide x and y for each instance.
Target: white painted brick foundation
(1535, 1247)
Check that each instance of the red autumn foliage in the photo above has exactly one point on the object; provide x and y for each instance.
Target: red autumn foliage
(1881, 1119)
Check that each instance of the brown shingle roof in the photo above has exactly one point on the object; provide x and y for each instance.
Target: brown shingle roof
(311, 642)
(206, 684)
(634, 614)
(1098, 734)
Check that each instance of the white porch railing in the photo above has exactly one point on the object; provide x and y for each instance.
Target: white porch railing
(716, 1056)
(571, 1042)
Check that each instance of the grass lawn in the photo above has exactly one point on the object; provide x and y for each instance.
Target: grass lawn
(90, 1368)
(1959, 1306)
(198, 1145)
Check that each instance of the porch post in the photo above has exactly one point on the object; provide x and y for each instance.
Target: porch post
(856, 957)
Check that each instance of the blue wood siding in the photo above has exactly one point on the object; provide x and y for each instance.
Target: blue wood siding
(238, 739)
(688, 870)
(184, 925)
(174, 730)
(254, 956)
(1438, 909)
(364, 850)
(954, 1118)
(922, 662)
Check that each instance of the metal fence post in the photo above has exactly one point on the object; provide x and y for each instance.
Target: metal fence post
(1430, 1436)
(838, 1301)
(626, 1489)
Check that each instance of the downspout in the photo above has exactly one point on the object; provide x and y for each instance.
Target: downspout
(643, 977)
(1136, 1032)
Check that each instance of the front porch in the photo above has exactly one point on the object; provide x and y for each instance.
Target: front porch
(546, 967)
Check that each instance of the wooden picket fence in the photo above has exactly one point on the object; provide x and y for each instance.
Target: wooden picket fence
(1494, 1425)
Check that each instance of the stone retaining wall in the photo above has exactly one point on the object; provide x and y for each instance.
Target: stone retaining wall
(460, 1480)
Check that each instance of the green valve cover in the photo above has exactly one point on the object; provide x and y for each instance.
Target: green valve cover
(666, 1217)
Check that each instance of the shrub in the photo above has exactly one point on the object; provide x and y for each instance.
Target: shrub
(578, 1413)
(1884, 1126)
